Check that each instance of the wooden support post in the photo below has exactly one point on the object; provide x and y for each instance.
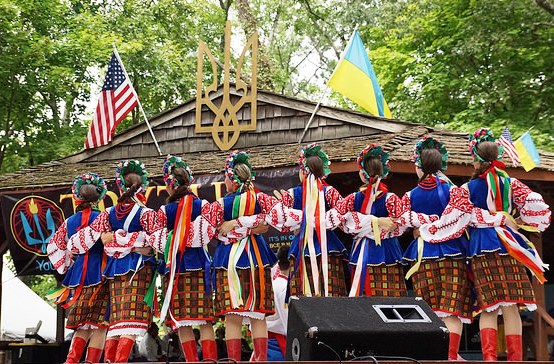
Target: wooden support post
(541, 340)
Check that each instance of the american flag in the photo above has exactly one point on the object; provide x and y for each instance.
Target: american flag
(508, 144)
(116, 101)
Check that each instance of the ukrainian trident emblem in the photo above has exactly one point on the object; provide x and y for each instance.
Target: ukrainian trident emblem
(226, 126)
(33, 221)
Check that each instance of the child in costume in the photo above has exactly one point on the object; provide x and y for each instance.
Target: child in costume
(277, 323)
(376, 256)
(188, 297)
(498, 253)
(242, 259)
(130, 266)
(317, 252)
(439, 271)
(88, 296)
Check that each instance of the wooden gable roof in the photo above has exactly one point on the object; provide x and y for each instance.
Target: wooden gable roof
(280, 124)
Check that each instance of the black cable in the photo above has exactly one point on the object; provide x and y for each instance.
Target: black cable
(167, 350)
(397, 358)
(209, 360)
(224, 360)
(330, 348)
(373, 359)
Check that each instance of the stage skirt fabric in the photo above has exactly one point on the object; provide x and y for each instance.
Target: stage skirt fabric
(129, 314)
(223, 298)
(501, 280)
(444, 285)
(337, 283)
(384, 281)
(90, 309)
(191, 303)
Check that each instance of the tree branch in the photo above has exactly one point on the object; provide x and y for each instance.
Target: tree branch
(546, 5)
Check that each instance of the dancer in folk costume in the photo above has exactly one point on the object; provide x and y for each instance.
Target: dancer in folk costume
(188, 297)
(376, 256)
(84, 292)
(439, 271)
(242, 259)
(497, 251)
(317, 253)
(130, 266)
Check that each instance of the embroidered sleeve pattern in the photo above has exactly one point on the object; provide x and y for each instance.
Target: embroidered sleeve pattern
(57, 251)
(84, 239)
(158, 238)
(453, 221)
(213, 214)
(202, 230)
(278, 215)
(335, 219)
(149, 221)
(481, 218)
(346, 204)
(287, 199)
(123, 243)
(401, 212)
(332, 196)
(532, 208)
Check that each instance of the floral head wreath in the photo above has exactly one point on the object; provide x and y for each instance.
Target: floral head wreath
(234, 158)
(313, 150)
(483, 135)
(430, 143)
(373, 150)
(130, 166)
(89, 179)
(172, 162)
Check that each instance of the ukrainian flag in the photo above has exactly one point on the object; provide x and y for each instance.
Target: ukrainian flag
(528, 154)
(354, 78)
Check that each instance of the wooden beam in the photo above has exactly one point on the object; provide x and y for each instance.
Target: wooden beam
(541, 339)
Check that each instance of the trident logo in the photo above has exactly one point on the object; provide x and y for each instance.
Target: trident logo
(226, 127)
(50, 227)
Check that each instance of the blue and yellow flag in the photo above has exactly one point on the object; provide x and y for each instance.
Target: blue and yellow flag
(354, 78)
(527, 152)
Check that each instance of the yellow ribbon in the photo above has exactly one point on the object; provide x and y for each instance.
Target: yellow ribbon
(415, 267)
(376, 230)
(531, 229)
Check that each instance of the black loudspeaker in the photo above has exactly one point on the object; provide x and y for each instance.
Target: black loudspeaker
(344, 328)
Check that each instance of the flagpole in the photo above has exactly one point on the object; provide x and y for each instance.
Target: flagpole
(139, 103)
(325, 92)
(313, 114)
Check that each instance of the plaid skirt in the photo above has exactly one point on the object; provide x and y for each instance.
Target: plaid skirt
(128, 311)
(385, 281)
(223, 297)
(444, 285)
(501, 279)
(190, 299)
(336, 284)
(93, 313)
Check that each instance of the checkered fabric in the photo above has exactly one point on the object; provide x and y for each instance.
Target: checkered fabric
(190, 300)
(337, 282)
(385, 281)
(127, 300)
(84, 313)
(501, 278)
(223, 300)
(444, 285)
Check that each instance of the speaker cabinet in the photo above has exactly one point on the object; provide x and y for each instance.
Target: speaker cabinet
(344, 328)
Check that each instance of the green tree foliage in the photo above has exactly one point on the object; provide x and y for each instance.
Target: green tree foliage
(453, 63)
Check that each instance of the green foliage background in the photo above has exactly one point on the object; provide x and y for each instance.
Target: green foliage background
(457, 64)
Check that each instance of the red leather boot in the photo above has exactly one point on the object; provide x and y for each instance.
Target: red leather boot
(110, 348)
(234, 349)
(260, 349)
(453, 346)
(76, 350)
(124, 348)
(209, 350)
(93, 355)
(514, 348)
(189, 348)
(488, 344)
